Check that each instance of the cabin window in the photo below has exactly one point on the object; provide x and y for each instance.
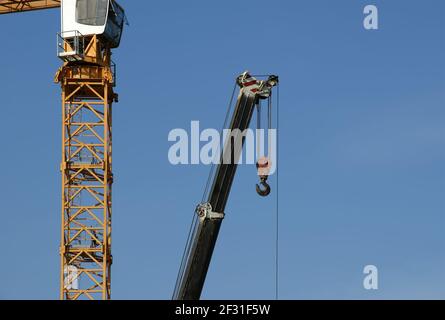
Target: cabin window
(91, 12)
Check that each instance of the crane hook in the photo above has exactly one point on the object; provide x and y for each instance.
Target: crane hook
(264, 192)
(263, 166)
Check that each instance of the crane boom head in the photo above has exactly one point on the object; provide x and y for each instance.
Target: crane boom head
(261, 88)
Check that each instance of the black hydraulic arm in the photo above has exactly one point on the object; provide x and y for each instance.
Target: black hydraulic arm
(210, 214)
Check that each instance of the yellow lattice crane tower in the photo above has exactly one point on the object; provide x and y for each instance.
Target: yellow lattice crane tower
(90, 29)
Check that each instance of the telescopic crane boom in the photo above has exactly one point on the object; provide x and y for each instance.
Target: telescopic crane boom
(211, 213)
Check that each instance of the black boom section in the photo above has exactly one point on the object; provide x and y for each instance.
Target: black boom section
(207, 230)
(225, 172)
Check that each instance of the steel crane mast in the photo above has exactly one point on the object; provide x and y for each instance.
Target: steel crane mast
(87, 79)
(211, 213)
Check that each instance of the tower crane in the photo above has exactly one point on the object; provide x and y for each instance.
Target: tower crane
(206, 226)
(90, 30)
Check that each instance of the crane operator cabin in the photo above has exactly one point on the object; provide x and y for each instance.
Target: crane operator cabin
(104, 18)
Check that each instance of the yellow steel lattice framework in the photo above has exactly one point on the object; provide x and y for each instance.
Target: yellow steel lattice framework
(11, 6)
(87, 96)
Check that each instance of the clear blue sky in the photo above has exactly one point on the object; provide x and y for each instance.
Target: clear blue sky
(362, 131)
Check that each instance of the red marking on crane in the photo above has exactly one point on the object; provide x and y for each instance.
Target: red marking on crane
(250, 83)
